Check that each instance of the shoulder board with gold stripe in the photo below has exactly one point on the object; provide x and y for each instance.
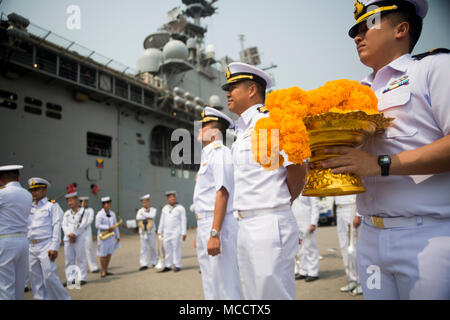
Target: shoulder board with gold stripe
(52, 201)
(263, 109)
(430, 53)
(217, 146)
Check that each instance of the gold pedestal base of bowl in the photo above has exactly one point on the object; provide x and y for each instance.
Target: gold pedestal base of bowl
(323, 183)
(332, 129)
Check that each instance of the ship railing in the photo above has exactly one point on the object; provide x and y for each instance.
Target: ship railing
(75, 48)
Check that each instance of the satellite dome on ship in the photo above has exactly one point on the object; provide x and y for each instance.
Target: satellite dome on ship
(175, 49)
(150, 61)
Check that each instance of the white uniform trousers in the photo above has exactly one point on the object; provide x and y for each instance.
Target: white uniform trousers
(308, 254)
(148, 243)
(220, 275)
(172, 248)
(406, 262)
(75, 254)
(90, 252)
(27, 278)
(13, 266)
(344, 219)
(267, 244)
(45, 282)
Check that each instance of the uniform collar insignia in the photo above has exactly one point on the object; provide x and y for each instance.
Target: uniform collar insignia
(263, 109)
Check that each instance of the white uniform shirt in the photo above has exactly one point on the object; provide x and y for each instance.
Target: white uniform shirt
(173, 220)
(45, 222)
(15, 207)
(90, 214)
(216, 171)
(255, 187)
(143, 214)
(325, 204)
(306, 212)
(422, 115)
(74, 222)
(348, 199)
(103, 222)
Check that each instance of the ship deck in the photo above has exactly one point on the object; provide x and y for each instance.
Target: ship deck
(128, 283)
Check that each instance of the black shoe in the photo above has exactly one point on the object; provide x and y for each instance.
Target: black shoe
(65, 283)
(143, 268)
(82, 282)
(176, 269)
(309, 279)
(96, 271)
(165, 269)
(300, 277)
(153, 265)
(26, 289)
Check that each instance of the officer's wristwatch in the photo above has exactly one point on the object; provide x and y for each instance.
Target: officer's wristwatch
(214, 233)
(384, 161)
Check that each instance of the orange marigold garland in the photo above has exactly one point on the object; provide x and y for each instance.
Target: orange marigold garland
(287, 109)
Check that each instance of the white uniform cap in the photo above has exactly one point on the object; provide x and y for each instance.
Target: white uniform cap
(83, 198)
(11, 167)
(106, 199)
(210, 114)
(238, 71)
(147, 196)
(171, 192)
(36, 182)
(70, 195)
(364, 9)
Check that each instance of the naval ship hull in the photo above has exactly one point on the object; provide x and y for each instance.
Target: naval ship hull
(56, 149)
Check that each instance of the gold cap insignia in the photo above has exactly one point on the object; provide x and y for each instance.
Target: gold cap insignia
(228, 73)
(358, 9)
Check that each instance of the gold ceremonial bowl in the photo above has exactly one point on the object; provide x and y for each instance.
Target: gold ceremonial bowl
(333, 129)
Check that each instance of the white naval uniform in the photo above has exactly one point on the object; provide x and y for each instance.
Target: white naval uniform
(75, 253)
(220, 275)
(268, 232)
(103, 223)
(15, 207)
(412, 261)
(306, 212)
(44, 228)
(172, 226)
(346, 211)
(147, 238)
(91, 259)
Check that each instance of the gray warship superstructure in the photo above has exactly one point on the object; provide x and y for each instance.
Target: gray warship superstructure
(71, 115)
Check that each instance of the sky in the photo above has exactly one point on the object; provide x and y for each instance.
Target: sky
(307, 40)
